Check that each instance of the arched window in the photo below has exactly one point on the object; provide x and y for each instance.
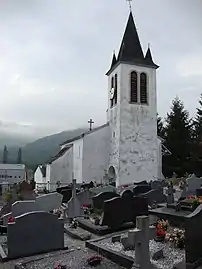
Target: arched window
(143, 88)
(112, 86)
(115, 90)
(133, 87)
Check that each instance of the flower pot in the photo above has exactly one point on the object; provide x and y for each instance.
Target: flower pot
(159, 238)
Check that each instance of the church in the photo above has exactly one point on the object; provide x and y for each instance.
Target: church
(126, 149)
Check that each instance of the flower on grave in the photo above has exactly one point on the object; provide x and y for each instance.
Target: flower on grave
(162, 224)
(160, 232)
(191, 197)
(11, 219)
(178, 238)
(94, 260)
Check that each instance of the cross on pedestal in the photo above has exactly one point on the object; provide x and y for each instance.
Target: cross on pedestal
(91, 124)
(141, 236)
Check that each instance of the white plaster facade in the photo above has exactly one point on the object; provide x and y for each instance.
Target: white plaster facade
(134, 141)
(40, 178)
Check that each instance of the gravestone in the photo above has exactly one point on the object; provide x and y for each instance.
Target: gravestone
(144, 182)
(98, 200)
(67, 194)
(119, 210)
(140, 189)
(193, 236)
(170, 197)
(141, 236)
(20, 207)
(193, 183)
(107, 188)
(156, 184)
(85, 197)
(155, 196)
(50, 201)
(33, 233)
(74, 206)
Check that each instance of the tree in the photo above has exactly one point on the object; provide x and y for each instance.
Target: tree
(19, 159)
(160, 127)
(5, 155)
(197, 122)
(178, 132)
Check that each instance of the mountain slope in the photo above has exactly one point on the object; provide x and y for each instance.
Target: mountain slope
(41, 150)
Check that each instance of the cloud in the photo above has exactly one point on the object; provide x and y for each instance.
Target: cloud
(54, 54)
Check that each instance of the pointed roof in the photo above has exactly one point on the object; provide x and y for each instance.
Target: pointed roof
(131, 49)
(113, 61)
(149, 59)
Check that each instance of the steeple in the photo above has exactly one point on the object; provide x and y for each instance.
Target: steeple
(149, 60)
(130, 50)
(113, 61)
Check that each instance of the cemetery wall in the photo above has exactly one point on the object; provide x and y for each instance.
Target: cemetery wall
(61, 169)
(96, 152)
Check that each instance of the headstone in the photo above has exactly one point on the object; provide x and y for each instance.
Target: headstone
(98, 200)
(140, 189)
(193, 236)
(141, 236)
(85, 197)
(34, 232)
(107, 188)
(156, 184)
(144, 182)
(74, 206)
(50, 201)
(67, 194)
(155, 196)
(119, 210)
(170, 197)
(21, 207)
(128, 194)
(193, 183)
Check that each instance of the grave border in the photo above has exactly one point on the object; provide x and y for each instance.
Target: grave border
(22, 265)
(4, 256)
(114, 256)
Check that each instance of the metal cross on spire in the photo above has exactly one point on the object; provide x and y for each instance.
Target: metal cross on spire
(91, 124)
(130, 5)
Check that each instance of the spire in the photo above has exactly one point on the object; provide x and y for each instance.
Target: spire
(113, 60)
(149, 60)
(130, 49)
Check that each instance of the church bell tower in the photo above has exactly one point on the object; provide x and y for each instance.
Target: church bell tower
(132, 111)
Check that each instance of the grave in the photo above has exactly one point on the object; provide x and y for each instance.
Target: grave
(155, 196)
(119, 213)
(146, 253)
(98, 200)
(50, 201)
(74, 206)
(193, 183)
(141, 189)
(32, 233)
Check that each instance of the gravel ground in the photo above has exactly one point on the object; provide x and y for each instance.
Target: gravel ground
(172, 255)
(75, 258)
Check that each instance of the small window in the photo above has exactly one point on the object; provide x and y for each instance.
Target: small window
(115, 90)
(143, 88)
(133, 87)
(112, 86)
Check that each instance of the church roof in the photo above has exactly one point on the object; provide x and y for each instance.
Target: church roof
(60, 153)
(131, 49)
(84, 134)
(43, 170)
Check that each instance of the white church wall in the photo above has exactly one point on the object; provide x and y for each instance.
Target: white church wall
(78, 159)
(61, 170)
(96, 152)
(138, 130)
(159, 158)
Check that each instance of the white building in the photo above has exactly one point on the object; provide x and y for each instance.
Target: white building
(126, 149)
(10, 174)
(40, 177)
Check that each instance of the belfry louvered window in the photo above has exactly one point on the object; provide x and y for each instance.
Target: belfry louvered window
(112, 86)
(115, 90)
(143, 88)
(133, 87)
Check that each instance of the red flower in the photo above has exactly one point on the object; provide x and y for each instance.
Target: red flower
(160, 232)
(11, 219)
(191, 197)
(85, 206)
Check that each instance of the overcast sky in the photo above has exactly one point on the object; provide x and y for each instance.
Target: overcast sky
(54, 55)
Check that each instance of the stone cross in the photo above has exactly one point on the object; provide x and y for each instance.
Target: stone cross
(142, 234)
(73, 188)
